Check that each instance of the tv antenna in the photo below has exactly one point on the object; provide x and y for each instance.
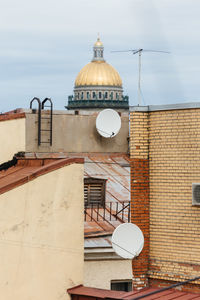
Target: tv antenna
(139, 51)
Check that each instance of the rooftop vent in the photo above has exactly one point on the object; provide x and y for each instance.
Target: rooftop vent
(196, 194)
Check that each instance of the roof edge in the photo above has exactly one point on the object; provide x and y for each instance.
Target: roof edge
(41, 171)
(12, 116)
(177, 106)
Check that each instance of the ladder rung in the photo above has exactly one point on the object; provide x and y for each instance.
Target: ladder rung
(45, 130)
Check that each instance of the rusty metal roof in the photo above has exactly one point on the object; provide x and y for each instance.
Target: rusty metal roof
(107, 294)
(116, 169)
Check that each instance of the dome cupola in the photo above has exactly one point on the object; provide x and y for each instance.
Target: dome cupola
(98, 50)
(98, 84)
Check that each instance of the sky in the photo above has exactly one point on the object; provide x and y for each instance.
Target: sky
(45, 43)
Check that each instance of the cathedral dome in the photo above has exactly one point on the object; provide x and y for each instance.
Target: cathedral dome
(98, 73)
(98, 84)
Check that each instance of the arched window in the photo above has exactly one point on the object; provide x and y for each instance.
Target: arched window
(99, 95)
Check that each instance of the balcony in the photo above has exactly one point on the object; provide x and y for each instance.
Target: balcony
(76, 104)
(112, 211)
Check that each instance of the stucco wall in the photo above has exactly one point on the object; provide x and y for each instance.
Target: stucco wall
(41, 236)
(75, 133)
(12, 135)
(99, 274)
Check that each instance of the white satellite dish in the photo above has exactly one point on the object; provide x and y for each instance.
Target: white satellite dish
(127, 240)
(108, 123)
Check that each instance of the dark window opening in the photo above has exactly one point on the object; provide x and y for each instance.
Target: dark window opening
(125, 286)
(93, 94)
(99, 95)
(106, 94)
(94, 192)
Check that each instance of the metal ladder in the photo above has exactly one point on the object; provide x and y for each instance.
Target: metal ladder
(45, 121)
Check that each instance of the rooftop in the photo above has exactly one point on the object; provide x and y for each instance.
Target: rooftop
(11, 115)
(149, 108)
(95, 293)
(28, 169)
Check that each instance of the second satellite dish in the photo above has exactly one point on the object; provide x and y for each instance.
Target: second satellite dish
(127, 240)
(108, 123)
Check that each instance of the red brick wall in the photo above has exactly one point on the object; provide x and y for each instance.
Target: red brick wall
(140, 193)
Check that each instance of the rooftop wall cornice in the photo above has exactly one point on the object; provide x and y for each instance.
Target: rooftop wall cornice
(151, 108)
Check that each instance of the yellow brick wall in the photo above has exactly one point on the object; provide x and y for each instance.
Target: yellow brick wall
(174, 164)
(139, 135)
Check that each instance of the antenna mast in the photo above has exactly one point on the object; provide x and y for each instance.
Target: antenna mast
(139, 51)
(139, 78)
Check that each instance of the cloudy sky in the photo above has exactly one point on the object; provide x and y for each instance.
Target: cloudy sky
(45, 43)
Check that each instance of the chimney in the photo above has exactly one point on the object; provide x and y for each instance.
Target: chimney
(139, 153)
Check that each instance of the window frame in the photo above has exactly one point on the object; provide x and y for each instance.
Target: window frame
(126, 283)
(93, 181)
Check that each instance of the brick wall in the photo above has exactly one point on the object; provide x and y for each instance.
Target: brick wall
(140, 192)
(174, 164)
(174, 151)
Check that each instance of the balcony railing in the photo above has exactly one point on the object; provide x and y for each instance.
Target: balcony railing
(72, 104)
(112, 211)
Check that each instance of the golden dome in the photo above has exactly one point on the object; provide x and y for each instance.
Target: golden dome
(98, 73)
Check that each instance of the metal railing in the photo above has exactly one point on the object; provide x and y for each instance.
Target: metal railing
(111, 211)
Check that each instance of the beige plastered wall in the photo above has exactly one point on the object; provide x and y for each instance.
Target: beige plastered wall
(12, 134)
(41, 236)
(75, 133)
(99, 274)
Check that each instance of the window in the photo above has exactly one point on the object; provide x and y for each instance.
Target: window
(125, 286)
(106, 94)
(94, 192)
(93, 94)
(99, 95)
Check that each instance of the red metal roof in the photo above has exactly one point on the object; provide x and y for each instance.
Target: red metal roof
(11, 115)
(107, 294)
(28, 169)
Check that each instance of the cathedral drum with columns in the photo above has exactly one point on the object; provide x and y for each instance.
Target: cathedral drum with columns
(98, 85)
